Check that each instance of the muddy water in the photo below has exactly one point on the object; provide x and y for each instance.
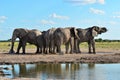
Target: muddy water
(65, 71)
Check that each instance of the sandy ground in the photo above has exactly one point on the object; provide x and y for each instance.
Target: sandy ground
(6, 58)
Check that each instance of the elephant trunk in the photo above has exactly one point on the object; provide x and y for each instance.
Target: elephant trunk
(103, 30)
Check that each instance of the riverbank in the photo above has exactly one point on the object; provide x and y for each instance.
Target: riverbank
(6, 58)
(104, 57)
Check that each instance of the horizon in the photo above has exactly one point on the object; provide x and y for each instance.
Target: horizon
(43, 15)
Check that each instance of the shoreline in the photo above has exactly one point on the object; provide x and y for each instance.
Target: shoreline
(6, 58)
(32, 58)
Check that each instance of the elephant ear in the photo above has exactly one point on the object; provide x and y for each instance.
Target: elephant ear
(95, 31)
(74, 33)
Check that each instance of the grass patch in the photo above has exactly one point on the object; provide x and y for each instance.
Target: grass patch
(5, 46)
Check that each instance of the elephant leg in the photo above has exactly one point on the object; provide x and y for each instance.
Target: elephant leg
(78, 48)
(54, 48)
(47, 47)
(67, 48)
(93, 46)
(23, 46)
(51, 46)
(59, 49)
(19, 46)
(11, 50)
(89, 45)
(40, 50)
(50, 49)
(43, 50)
(47, 50)
(75, 46)
(72, 45)
(37, 51)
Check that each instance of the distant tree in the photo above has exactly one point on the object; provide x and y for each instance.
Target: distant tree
(99, 40)
(9, 40)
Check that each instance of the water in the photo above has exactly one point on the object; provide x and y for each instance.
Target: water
(65, 71)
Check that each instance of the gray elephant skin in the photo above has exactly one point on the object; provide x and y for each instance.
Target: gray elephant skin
(41, 43)
(64, 36)
(49, 40)
(87, 35)
(24, 36)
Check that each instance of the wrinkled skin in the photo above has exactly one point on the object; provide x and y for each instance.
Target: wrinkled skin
(48, 36)
(64, 36)
(24, 36)
(87, 35)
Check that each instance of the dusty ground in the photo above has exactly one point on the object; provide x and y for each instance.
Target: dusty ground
(6, 58)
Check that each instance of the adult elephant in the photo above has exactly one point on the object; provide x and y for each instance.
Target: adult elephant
(41, 42)
(48, 36)
(87, 35)
(64, 36)
(24, 36)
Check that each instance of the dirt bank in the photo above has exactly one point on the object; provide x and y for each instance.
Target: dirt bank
(6, 58)
(103, 57)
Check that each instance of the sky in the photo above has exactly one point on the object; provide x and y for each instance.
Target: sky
(46, 14)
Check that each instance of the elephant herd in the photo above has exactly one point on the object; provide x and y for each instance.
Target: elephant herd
(50, 41)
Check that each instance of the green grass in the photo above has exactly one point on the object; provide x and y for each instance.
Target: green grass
(103, 46)
(5, 46)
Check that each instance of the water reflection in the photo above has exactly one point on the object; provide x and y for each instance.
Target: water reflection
(64, 71)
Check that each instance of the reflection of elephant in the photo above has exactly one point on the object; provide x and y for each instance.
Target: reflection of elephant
(25, 36)
(49, 40)
(64, 36)
(87, 35)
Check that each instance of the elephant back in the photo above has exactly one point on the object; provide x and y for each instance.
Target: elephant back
(34, 33)
(62, 35)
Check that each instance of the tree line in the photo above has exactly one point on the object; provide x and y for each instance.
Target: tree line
(97, 40)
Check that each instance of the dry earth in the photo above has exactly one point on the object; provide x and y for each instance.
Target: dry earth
(6, 58)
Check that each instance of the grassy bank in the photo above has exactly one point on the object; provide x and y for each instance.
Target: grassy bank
(100, 46)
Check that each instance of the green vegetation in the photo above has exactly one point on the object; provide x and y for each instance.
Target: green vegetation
(5, 46)
(106, 40)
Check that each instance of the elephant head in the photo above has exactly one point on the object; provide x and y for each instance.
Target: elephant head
(17, 33)
(95, 30)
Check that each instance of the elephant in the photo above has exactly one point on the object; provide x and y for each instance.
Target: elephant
(48, 36)
(64, 36)
(24, 36)
(41, 42)
(87, 35)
